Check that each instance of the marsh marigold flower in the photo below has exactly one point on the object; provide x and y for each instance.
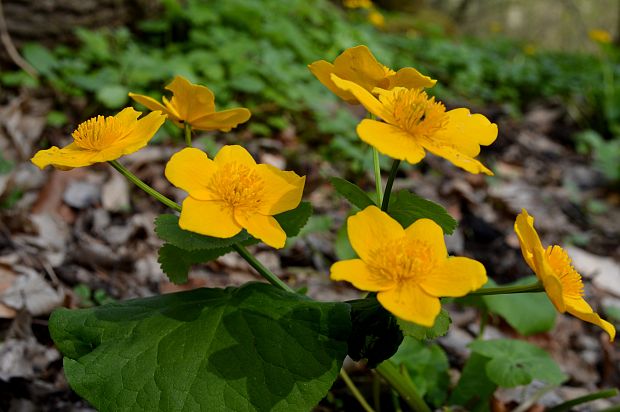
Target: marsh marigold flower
(600, 36)
(554, 269)
(232, 192)
(357, 64)
(413, 121)
(194, 104)
(408, 268)
(102, 139)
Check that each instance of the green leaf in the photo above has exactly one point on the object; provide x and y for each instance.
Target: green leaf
(112, 96)
(440, 328)
(407, 207)
(527, 313)
(514, 362)
(294, 220)
(176, 262)
(474, 389)
(375, 335)
(427, 365)
(40, 58)
(352, 192)
(253, 348)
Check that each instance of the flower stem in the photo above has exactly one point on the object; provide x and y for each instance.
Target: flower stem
(377, 168)
(356, 393)
(566, 406)
(148, 189)
(404, 386)
(388, 186)
(262, 270)
(533, 288)
(188, 134)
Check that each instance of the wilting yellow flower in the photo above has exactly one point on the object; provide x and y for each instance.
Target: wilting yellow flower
(358, 65)
(232, 192)
(409, 268)
(554, 269)
(413, 121)
(376, 18)
(194, 104)
(600, 36)
(357, 4)
(101, 139)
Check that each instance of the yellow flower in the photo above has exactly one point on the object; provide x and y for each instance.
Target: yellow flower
(232, 192)
(409, 268)
(194, 104)
(357, 4)
(358, 65)
(554, 269)
(101, 139)
(600, 36)
(414, 122)
(376, 18)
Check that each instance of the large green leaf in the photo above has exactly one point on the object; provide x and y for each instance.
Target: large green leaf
(253, 348)
(353, 193)
(176, 262)
(514, 362)
(407, 207)
(474, 388)
(528, 313)
(439, 328)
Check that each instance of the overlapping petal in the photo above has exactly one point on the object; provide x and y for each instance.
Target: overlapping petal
(409, 302)
(208, 217)
(528, 238)
(356, 272)
(371, 228)
(191, 170)
(285, 189)
(265, 228)
(390, 140)
(428, 232)
(456, 277)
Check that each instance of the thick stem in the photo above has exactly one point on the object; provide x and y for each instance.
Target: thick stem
(262, 270)
(377, 169)
(356, 393)
(405, 387)
(566, 406)
(148, 189)
(188, 134)
(388, 186)
(536, 287)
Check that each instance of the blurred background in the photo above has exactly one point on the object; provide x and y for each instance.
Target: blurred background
(548, 73)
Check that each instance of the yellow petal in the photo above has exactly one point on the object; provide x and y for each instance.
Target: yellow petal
(66, 158)
(456, 277)
(191, 101)
(390, 140)
(466, 132)
(153, 104)
(209, 218)
(234, 154)
(262, 227)
(355, 271)
(323, 70)
(191, 170)
(429, 232)
(370, 229)
(128, 117)
(357, 64)
(284, 192)
(528, 238)
(580, 309)
(453, 155)
(409, 302)
(550, 281)
(370, 102)
(409, 78)
(224, 120)
(142, 131)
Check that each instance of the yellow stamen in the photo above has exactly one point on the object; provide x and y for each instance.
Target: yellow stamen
(238, 187)
(402, 260)
(572, 285)
(98, 133)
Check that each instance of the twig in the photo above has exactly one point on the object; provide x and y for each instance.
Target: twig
(11, 49)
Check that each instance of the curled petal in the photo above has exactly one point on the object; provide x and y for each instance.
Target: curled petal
(456, 157)
(466, 132)
(580, 309)
(153, 104)
(285, 189)
(262, 227)
(370, 102)
(191, 101)
(66, 158)
(409, 78)
(528, 238)
(390, 140)
(323, 70)
(224, 120)
(191, 170)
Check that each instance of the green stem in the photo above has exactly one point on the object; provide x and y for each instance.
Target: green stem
(188, 134)
(377, 167)
(536, 287)
(356, 393)
(148, 189)
(405, 387)
(484, 319)
(566, 406)
(262, 270)
(388, 186)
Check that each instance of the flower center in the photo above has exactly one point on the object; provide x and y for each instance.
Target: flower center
(560, 262)
(238, 187)
(414, 111)
(401, 260)
(98, 133)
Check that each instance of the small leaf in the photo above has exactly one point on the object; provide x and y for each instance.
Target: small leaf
(375, 335)
(112, 96)
(40, 58)
(527, 313)
(294, 220)
(474, 388)
(440, 328)
(352, 192)
(236, 349)
(514, 362)
(407, 207)
(176, 262)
